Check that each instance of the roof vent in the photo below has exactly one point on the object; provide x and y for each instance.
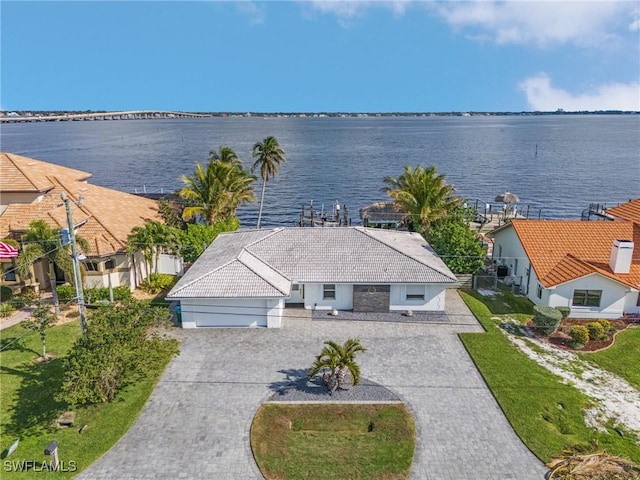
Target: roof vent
(621, 253)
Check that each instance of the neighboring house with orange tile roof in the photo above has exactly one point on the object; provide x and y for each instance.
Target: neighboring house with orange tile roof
(592, 267)
(30, 190)
(627, 211)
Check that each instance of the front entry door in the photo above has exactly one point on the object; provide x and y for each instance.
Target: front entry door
(297, 293)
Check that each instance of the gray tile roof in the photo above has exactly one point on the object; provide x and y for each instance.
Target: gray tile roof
(280, 256)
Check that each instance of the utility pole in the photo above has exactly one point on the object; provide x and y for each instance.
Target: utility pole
(77, 278)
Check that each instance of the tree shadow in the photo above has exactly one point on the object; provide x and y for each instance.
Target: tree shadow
(35, 406)
(296, 381)
(13, 343)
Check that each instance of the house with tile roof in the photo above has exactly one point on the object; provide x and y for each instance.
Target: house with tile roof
(591, 267)
(30, 190)
(246, 278)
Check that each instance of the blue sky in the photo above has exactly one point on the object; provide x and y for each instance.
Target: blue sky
(347, 56)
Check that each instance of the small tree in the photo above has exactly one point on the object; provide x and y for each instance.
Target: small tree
(41, 320)
(336, 361)
(458, 246)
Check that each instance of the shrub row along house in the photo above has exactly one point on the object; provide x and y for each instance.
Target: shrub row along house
(246, 278)
(31, 190)
(593, 267)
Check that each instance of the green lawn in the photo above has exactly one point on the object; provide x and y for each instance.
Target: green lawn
(327, 442)
(623, 358)
(546, 414)
(29, 406)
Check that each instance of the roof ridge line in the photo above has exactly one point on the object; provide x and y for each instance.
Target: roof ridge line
(364, 231)
(244, 250)
(9, 156)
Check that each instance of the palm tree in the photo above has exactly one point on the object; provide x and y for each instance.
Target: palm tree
(42, 242)
(216, 191)
(336, 361)
(225, 155)
(150, 238)
(423, 194)
(268, 155)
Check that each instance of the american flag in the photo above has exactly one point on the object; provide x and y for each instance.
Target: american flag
(7, 251)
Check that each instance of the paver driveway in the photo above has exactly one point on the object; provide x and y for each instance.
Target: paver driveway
(196, 422)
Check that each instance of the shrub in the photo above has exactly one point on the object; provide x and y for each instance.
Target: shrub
(606, 324)
(121, 346)
(580, 335)
(6, 309)
(66, 292)
(547, 319)
(122, 293)
(5, 293)
(157, 282)
(565, 311)
(29, 295)
(596, 330)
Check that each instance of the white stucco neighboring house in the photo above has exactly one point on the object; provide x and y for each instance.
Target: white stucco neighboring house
(246, 278)
(593, 267)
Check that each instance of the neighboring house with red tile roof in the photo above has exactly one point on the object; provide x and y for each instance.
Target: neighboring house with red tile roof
(627, 211)
(30, 190)
(592, 267)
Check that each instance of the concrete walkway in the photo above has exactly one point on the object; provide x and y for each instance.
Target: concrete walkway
(196, 423)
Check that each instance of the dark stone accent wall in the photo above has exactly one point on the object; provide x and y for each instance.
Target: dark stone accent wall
(371, 298)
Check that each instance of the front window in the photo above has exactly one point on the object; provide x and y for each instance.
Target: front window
(329, 291)
(586, 298)
(91, 266)
(9, 272)
(415, 292)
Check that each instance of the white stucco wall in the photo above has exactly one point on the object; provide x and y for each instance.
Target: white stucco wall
(434, 298)
(170, 264)
(313, 297)
(612, 301)
(231, 312)
(514, 257)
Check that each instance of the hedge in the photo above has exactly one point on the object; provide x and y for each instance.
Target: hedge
(547, 319)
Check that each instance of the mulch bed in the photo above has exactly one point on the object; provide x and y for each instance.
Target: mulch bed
(562, 340)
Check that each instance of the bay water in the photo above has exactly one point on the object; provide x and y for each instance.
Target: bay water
(556, 164)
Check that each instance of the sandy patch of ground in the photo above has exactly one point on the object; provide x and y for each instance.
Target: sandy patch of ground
(615, 400)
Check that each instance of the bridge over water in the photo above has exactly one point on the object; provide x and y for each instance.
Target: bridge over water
(128, 115)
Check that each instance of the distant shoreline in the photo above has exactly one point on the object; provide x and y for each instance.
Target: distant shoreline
(21, 116)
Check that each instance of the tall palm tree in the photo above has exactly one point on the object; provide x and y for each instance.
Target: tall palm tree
(216, 191)
(422, 193)
(336, 360)
(40, 243)
(225, 155)
(268, 155)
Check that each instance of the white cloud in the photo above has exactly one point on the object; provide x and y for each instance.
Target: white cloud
(542, 96)
(542, 22)
(347, 11)
(256, 13)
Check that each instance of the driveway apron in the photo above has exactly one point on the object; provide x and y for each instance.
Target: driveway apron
(196, 422)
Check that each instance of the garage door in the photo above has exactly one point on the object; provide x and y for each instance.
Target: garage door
(226, 313)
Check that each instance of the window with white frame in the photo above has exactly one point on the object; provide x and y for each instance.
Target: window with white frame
(415, 292)
(586, 298)
(329, 291)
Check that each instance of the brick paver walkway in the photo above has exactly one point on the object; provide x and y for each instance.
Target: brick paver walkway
(196, 422)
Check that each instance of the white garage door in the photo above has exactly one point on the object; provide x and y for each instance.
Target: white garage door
(226, 313)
